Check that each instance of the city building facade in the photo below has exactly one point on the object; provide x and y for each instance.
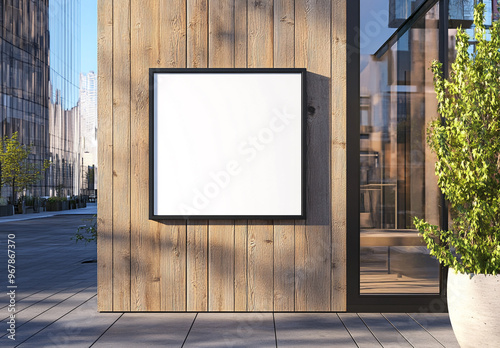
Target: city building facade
(39, 87)
(88, 114)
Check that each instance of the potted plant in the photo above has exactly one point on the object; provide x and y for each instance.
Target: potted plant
(57, 204)
(466, 141)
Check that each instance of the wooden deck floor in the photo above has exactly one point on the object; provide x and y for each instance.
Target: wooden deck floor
(56, 307)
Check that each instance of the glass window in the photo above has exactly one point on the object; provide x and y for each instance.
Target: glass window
(397, 101)
(397, 180)
(28, 67)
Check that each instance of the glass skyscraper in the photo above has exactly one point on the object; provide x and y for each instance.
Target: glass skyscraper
(88, 116)
(88, 113)
(39, 87)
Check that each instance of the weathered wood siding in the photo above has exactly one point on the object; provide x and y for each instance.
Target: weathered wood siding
(214, 265)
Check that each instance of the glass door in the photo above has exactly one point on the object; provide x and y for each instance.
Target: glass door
(397, 180)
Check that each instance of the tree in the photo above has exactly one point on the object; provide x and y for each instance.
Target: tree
(17, 170)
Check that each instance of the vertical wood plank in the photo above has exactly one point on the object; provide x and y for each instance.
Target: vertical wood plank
(260, 33)
(172, 258)
(260, 232)
(172, 54)
(284, 265)
(197, 29)
(301, 254)
(197, 231)
(241, 226)
(105, 139)
(284, 33)
(240, 34)
(221, 265)
(260, 265)
(145, 240)
(313, 243)
(121, 157)
(284, 230)
(221, 233)
(197, 266)
(300, 225)
(172, 33)
(339, 156)
(221, 34)
(240, 265)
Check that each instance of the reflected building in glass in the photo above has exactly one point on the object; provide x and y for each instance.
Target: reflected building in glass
(88, 115)
(39, 91)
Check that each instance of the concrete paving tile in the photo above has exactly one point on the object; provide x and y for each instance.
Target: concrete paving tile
(414, 333)
(147, 330)
(358, 330)
(25, 319)
(78, 329)
(311, 330)
(27, 307)
(232, 330)
(385, 333)
(27, 329)
(439, 326)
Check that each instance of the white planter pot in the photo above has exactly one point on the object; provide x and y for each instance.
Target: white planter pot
(474, 308)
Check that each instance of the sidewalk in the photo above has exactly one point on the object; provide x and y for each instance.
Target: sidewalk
(91, 209)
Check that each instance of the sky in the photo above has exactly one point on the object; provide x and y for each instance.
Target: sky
(89, 36)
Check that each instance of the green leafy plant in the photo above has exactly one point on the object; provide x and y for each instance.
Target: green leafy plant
(467, 144)
(56, 203)
(56, 199)
(87, 232)
(17, 170)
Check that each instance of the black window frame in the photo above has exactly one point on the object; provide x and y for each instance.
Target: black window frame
(356, 302)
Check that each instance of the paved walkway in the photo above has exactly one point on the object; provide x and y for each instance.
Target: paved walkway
(56, 307)
(91, 209)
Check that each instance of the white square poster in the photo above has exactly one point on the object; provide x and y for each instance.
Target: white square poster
(227, 143)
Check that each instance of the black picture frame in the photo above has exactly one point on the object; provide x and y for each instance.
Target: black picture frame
(152, 141)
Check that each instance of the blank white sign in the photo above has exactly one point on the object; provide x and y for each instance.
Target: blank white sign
(227, 144)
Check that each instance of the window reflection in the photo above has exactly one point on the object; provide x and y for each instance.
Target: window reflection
(397, 180)
(397, 101)
(39, 83)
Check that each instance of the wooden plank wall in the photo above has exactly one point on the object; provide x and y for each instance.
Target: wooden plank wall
(214, 265)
